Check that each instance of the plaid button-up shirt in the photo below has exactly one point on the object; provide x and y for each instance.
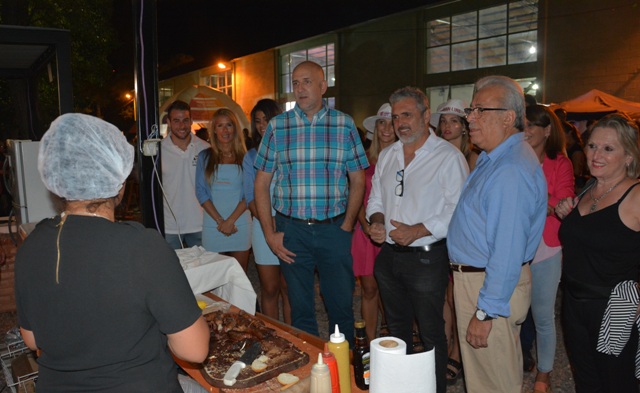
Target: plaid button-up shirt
(310, 161)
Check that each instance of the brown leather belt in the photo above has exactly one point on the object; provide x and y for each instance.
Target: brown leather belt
(312, 221)
(456, 267)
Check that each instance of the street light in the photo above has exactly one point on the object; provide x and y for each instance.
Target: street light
(131, 100)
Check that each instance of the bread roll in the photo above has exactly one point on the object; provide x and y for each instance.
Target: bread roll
(287, 379)
(258, 366)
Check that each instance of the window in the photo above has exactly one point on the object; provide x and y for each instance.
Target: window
(440, 94)
(222, 81)
(323, 55)
(165, 93)
(495, 36)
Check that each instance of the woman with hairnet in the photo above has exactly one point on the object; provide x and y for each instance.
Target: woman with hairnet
(105, 302)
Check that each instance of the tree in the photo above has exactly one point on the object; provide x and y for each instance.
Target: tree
(93, 39)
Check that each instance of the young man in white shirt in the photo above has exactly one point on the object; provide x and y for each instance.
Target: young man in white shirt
(182, 212)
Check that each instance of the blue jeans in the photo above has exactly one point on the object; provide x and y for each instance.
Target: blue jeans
(412, 286)
(188, 239)
(327, 248)
(545, 277)
(527, 333)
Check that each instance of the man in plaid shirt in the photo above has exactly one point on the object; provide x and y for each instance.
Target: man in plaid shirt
(315, 157)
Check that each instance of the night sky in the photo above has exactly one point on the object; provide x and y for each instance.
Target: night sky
(208, 30)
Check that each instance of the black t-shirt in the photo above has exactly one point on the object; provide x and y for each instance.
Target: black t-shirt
(103, 325)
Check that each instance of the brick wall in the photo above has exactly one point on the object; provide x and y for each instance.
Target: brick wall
(7, 261)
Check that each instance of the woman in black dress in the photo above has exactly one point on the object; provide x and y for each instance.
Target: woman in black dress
(600, 234)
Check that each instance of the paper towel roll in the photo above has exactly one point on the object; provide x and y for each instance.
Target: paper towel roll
(392, 370)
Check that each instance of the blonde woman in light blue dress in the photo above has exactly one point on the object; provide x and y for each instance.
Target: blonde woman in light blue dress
(227, 222)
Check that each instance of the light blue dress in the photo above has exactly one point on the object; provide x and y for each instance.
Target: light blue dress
(225, 191)
(261, 251)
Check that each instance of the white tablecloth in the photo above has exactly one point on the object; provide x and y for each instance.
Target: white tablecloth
(220, 274)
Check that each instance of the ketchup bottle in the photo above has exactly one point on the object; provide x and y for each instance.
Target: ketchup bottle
(331, 362)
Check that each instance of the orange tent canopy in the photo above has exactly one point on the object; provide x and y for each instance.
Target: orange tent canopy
(599, 102)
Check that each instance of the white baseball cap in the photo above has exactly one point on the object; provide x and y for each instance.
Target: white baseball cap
(370, 122)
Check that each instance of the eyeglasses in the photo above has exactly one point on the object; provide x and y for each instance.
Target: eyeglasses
(400, 179)
(469, 111)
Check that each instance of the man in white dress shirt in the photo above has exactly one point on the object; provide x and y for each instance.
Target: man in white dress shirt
(182, 212)
(414, 192)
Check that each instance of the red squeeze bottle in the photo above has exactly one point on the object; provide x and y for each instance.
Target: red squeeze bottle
(330, 361)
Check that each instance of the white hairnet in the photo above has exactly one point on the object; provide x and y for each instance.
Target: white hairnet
(84, 158)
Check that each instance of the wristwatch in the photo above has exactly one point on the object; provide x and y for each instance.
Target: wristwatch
(482, 315)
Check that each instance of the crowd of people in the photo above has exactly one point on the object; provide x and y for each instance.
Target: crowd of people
(458, 223)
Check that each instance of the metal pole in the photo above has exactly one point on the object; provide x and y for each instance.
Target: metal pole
(146, 104)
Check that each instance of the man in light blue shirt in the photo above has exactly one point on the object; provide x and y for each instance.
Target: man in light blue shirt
(494, 233)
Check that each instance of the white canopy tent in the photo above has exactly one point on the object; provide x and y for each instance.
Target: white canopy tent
(204, 101)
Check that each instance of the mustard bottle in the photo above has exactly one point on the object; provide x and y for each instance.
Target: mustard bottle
(340, 349)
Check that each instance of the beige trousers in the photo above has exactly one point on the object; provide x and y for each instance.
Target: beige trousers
(497, 368)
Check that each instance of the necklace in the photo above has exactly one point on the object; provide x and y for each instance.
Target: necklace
(227, 154)
(598, 199)
(68, 213)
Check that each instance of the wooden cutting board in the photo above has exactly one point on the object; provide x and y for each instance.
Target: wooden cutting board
(268, 386)
(231, 333)
(309, 344)
(283, 357)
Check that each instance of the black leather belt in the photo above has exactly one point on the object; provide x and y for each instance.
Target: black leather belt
(456, 267)
(427, 248)
(312, 221)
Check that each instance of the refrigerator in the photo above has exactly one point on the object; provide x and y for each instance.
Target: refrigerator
(32, 201)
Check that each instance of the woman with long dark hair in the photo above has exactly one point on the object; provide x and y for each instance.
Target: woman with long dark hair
(272, 283)
(544, 132)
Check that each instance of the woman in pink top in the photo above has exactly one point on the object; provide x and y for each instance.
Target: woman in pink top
(363, 250)
(544, 132)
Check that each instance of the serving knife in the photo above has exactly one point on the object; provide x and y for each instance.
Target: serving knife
(247, 357)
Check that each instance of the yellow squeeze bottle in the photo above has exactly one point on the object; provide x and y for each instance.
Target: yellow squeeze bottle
(340, 349)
